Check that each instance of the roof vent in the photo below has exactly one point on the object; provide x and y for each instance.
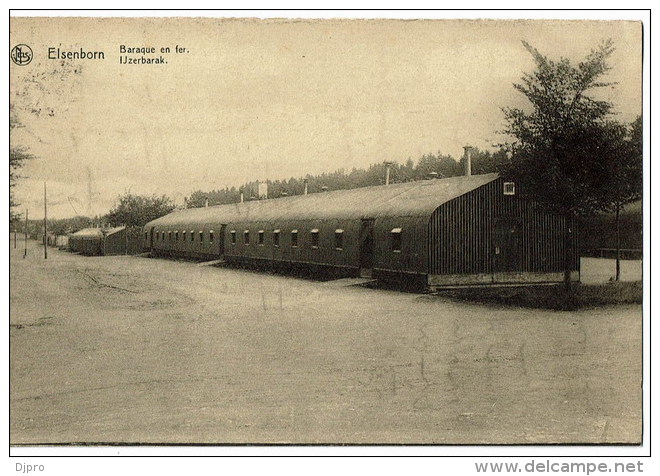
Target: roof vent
(467, 160)
(387, 171)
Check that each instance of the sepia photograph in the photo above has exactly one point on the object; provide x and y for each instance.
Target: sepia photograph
(325, 231)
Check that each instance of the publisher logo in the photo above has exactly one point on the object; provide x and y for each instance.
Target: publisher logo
(21, 55)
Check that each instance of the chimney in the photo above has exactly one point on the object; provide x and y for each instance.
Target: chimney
(387, 172)
(467, 160)
(305, 181)
(262, 190)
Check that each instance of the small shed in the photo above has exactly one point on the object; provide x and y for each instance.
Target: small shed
(62, 241)
(99, 241)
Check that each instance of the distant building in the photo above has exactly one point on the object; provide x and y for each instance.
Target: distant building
(106, 241)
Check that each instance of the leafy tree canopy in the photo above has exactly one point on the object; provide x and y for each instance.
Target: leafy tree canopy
(557, 156)
(17, 157)
(138, 210)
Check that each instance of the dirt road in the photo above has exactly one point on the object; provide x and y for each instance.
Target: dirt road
(127, 349)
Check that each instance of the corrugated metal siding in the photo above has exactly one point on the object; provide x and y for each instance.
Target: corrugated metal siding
(134, 242)
(324, 253)
(193, 248)
(462, 234)
(411, 258)
(88, 241)
(106, 241)
(115, 243)
(87, 246)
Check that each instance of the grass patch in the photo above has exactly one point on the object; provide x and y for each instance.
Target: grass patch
(581, 296)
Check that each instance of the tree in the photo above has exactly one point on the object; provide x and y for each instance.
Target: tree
(138, 210)
(623, 168)
(555, 157)
(17, 157)
(441, 164)
(484, 162)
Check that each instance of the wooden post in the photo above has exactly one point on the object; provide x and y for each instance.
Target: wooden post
(568, 258)
(26, 233)
(617, 275)
(45, 225)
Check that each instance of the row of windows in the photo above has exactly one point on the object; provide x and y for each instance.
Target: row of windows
(395, 237)
(185, 236)
(395, 242)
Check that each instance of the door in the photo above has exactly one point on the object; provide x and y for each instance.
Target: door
(221, 240)
(366, 247)
(507, 246)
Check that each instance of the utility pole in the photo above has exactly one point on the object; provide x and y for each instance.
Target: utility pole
(45, 225)
(26, 233)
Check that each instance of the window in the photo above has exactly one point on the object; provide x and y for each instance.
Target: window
(246, 237)
(157, 235)
(260, 237)
(183, 237)
(169, 236)
(396, 240)
(192, 235)
(210, 236)
(176, 235)
(509, 188)
(294, 238)
(146, 236)
(233, 237)
(315, 237)
(201, 237)
(339, 239)
(276, 237)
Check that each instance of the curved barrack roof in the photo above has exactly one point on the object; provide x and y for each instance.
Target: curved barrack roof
(96, 232)
(419, 198)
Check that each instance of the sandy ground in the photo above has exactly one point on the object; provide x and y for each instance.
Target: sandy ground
(599, 270)
(128, 349)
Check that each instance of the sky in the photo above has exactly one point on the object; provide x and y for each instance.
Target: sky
(249, 99)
